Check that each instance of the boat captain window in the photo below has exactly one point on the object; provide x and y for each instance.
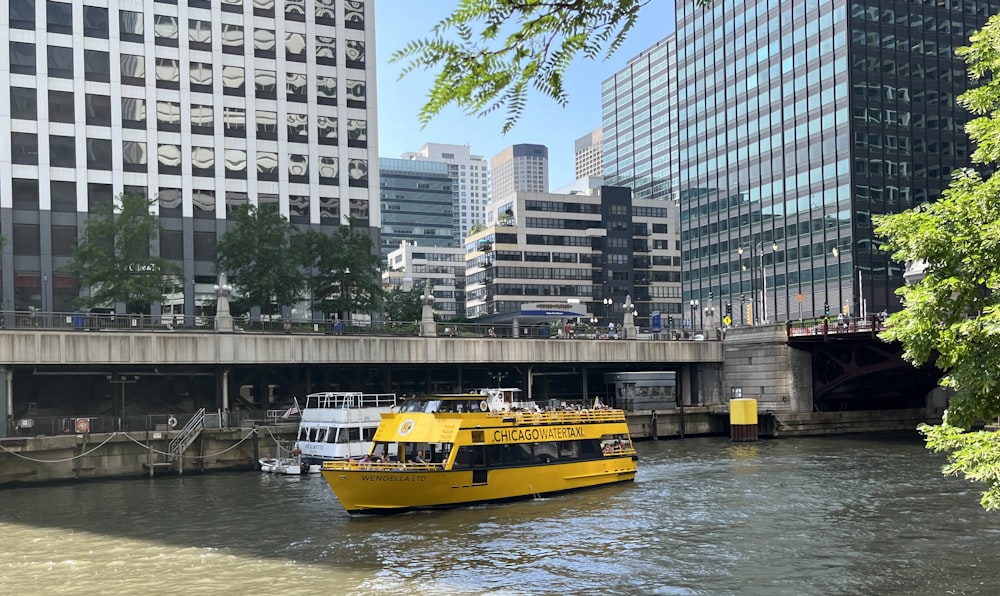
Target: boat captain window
(430, 405)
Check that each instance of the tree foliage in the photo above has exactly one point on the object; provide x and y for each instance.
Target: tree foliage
(113, 259)
(951, 316)
(488, 54)
(258, 255)
(344, 274)
(403, 305)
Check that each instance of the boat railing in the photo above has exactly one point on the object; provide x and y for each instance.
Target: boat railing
(562, 416)
(382, 466)
(351, 399)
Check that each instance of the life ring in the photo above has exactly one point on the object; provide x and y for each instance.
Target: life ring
(83, 425)
(483, 405)
(171, 422)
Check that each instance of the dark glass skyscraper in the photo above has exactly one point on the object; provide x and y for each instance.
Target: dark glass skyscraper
(416, 203)
(799, 122)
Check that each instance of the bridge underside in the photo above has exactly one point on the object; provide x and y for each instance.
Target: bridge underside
(86, 390)
(862, 373)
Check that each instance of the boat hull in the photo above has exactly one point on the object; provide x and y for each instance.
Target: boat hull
(387, 490)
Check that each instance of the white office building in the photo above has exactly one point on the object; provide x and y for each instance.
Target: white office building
(207, 105)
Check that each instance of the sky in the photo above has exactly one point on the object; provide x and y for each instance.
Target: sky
(544, 121)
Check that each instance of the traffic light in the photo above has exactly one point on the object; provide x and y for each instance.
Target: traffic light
(743, 299)
(826, 308)
(729, 309)
(710, 295)
(670, 320)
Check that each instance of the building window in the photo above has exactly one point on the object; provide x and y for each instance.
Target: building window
(169, 202)
(165, 31)
(168, 116)
(22, 58)
(326, 90)
(200, 35)
(263, 8)
(202, 119)
(267, 165)
(133, 112)
(298, 209)
(325, 13)
(60, 62)
(356, 94)
(327, 128)
(295, 86)
(232, 39)
(357, 133)
(24, 148)
(95, 22)
(133, 70)
(203, 161)
(298, 128)
(201, 77)
(134, 156)
(357, 172)
(234, 120)
(232, 6)
(96, 66)
(99, 154)
(329, 170)
(61, 106)
(62, 151)
(267, 125)
(203, 202)
(329, 211)
(263, 43)
(265, 84)
(98, 108)
(24, 193)
(62, 196)
(233, 80)
(234, 201)
(22, 14)
(168, 158)
(354, 14)
(130, 26)
(295, 10)
(326, 50)
(298, 168)
(59, 17)
(23, 103)
(355, 52)
(168, 73)
(295, 47)
(236, 165)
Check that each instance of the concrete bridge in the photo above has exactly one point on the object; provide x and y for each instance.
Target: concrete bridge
(113, 373)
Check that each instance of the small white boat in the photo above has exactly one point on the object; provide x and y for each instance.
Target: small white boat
(338, 426)
(283, 465)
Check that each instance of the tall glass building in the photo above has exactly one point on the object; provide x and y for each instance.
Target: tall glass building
(801, 120)
(416, 199)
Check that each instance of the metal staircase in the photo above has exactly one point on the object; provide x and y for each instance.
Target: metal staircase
(185, 437)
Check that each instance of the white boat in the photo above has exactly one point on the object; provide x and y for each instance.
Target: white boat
(281, 465)
(338, 426)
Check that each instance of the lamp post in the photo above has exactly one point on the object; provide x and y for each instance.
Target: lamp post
(763, 277)
(223, 319)
(608, 303)
(694, 311)
(593, 323)
(753, 283)
(428, 327)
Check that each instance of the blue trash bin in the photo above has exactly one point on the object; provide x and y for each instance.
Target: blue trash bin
(78, 321)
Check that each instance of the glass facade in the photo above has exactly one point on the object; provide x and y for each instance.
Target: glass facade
(800, 121)
(416, 199)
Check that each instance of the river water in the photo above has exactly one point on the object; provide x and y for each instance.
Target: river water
(843, 515)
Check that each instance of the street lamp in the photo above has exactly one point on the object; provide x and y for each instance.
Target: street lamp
(608, 302)
(763, 277)
(694, 310)
(593, 323)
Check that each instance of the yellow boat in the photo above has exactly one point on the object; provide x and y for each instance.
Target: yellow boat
(449, 450)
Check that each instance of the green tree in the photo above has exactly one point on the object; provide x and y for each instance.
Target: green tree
(404, 305)
(951, 315)
(487, 54)
(344, 273)
(112, 257)
(258, 255)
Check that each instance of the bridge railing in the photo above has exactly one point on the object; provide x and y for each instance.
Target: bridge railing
(836, 326)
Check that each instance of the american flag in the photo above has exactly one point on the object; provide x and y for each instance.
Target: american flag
(292, 410)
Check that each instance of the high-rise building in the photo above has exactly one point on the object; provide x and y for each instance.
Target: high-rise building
(520, 168)
(639, 123)
(801, 121)
(412, 267)
(587, 155)
(471, 183)
(205, 105)
(416, 201)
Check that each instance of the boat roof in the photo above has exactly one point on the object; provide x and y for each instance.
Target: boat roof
(476, 394)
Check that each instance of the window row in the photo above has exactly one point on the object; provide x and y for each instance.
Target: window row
(59, 16)
(24, 106)
(135, 158)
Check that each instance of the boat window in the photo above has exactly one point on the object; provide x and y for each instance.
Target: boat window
(546, 452)
(331, 437)
(367, 434)
(349, 434)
